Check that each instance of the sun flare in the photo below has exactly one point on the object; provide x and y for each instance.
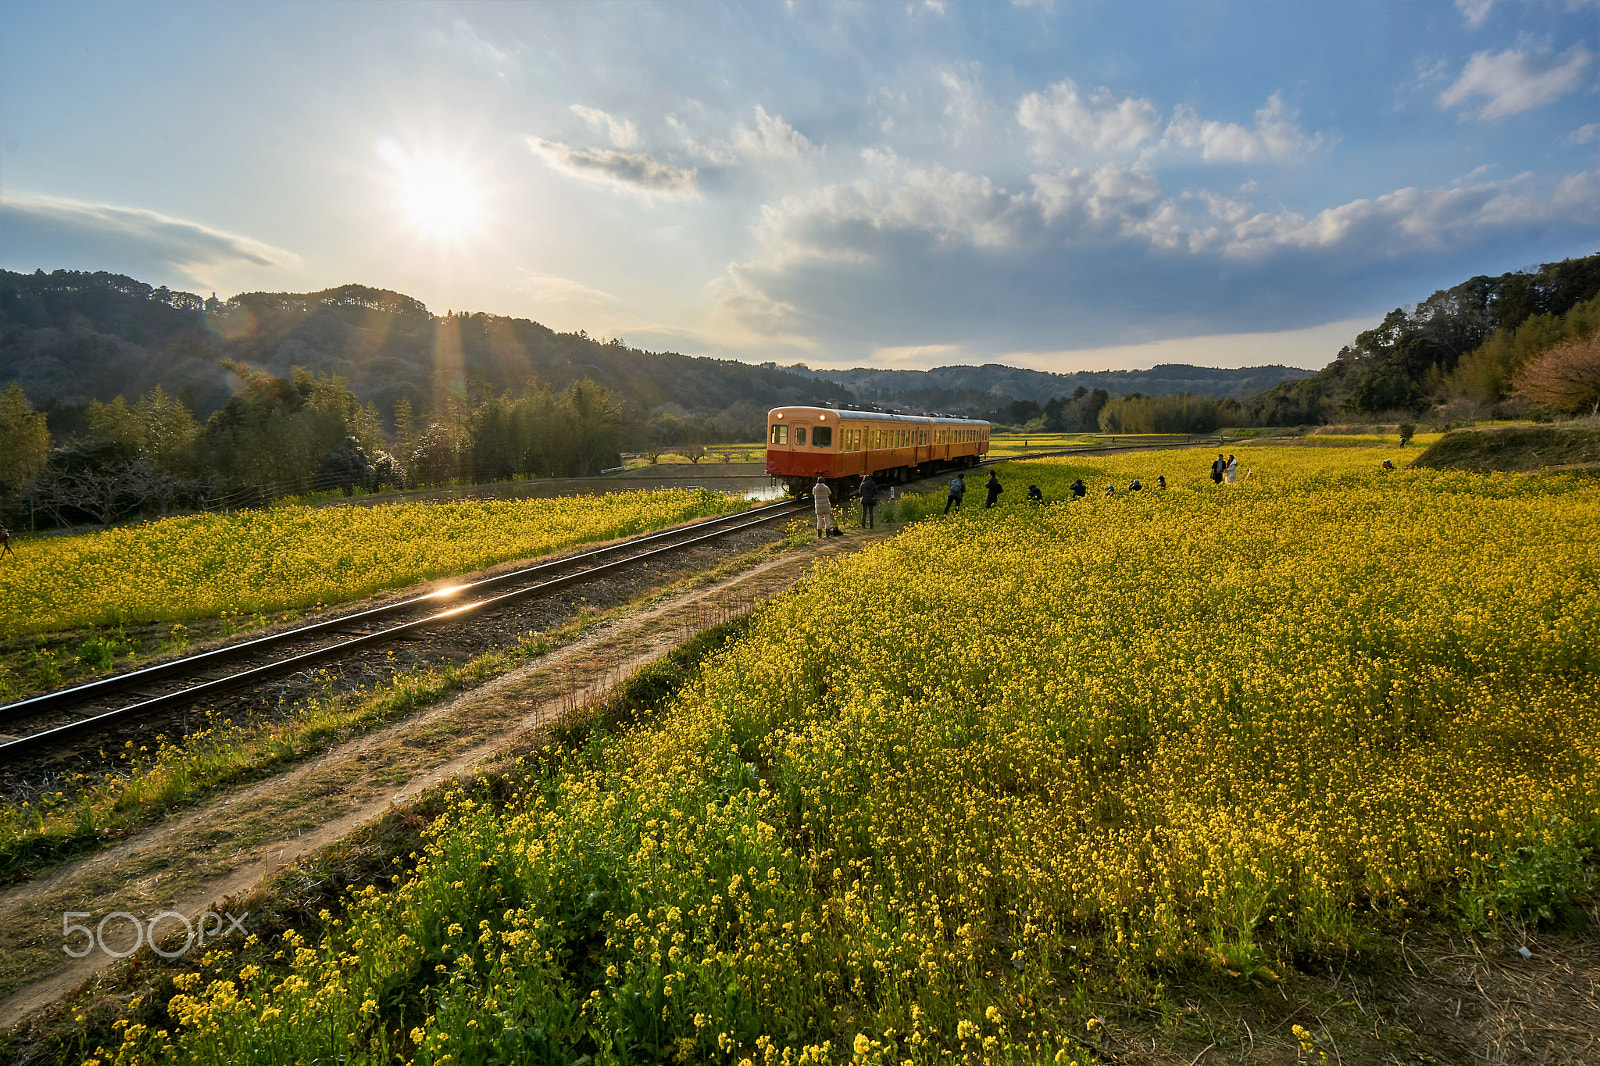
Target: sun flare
(441, 200)
(437, 198)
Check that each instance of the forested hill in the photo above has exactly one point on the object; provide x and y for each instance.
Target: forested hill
(1463, 344)
(70, 337)
(991, 384)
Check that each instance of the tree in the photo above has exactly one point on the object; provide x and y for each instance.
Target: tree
(1566, 378)
(24, 441)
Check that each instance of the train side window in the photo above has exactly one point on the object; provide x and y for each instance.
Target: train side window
(822, 437)
(799, 435)
(780, 434)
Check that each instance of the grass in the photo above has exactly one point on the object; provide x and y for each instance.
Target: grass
(1521, 448)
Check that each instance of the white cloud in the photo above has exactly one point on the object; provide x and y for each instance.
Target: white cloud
(1108, 199)
(1098, 122)
(623, 134)
(964, 107)
(1103, 125)
(716, 154)
(954, 246)
(1275, 136)
(773, 138)
(1514, 81)
(131, 239)
(1582, 135)
(634, 172)
(1476, 11)
(855, 222)
(1413, 219)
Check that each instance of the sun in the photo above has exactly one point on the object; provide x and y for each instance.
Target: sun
(437, 197)
(441, 200)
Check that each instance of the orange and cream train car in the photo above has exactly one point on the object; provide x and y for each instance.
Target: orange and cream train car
(804, 443)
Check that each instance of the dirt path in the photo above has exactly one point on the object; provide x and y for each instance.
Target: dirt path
(196, 862)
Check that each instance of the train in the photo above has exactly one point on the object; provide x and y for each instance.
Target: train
(804, 443)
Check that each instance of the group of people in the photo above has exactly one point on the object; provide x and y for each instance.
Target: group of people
(992, 490)
(1224, 470)
(1080, 490)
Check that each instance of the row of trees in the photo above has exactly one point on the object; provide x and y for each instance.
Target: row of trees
(282, 436)
(1096, 411)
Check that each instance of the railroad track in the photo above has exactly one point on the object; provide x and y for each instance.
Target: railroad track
(68, 715)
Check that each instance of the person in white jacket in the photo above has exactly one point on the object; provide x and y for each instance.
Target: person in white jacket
(823, 498)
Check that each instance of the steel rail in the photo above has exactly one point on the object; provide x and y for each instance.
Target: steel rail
(294, 663)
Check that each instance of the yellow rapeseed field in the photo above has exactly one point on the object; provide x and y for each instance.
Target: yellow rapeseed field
(294, 556)
(978, 774)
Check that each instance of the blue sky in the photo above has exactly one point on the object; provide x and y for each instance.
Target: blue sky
(1057, 185)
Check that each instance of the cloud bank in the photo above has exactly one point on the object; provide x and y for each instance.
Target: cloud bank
(48, 232)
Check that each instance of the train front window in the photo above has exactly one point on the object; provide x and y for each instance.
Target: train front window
(799, 435)
(822, 437)
(780, 434)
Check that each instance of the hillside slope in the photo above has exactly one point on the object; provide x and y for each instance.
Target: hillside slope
(1513, 448)
(71, 337)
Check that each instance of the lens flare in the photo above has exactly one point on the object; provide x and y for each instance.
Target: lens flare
(438, 197)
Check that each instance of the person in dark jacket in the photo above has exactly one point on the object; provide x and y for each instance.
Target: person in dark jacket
(1034, 495)
(958, 489)
(994, 488)
(1217, 469)
(1079, 489)
(869, 500)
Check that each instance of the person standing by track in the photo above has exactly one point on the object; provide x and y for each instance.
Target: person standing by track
(869, 500)
(5, 542)
(994, 489)
(822, 496)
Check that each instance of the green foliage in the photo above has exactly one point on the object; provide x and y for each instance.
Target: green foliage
(1536, 882)
(24, 441)
(1485, 373)
(1161, 414)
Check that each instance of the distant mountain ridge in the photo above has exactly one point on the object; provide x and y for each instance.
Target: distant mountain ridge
(996, 384)
(69, 337)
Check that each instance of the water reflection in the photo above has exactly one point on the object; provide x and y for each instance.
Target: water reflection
(769, 492)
